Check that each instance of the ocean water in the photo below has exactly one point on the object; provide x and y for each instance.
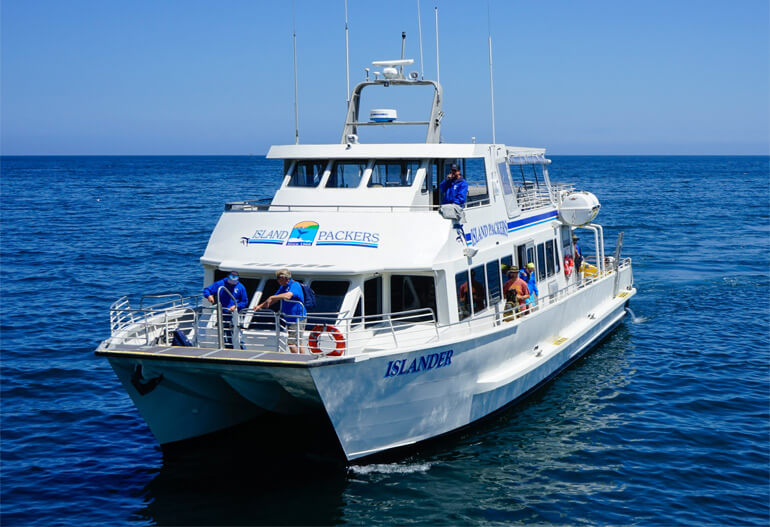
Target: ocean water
(667, 422)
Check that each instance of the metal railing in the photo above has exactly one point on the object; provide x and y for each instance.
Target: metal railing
(322, 334)
(257, 206)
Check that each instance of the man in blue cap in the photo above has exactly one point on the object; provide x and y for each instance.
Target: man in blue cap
(454, 189)
(231, 286)
(235, 287)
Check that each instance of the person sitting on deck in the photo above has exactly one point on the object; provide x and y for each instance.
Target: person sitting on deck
(292, 308)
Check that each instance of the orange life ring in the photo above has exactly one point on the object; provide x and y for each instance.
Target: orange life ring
(569, 265)
(315, 333)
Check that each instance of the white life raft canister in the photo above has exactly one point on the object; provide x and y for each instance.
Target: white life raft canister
(579, 208)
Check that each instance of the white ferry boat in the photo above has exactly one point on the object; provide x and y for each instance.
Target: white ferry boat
(411, 336)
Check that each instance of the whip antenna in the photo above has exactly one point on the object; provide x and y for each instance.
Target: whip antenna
(491, 82)
(438, 75)
(419, 31)
(296, 106)
(347, 59)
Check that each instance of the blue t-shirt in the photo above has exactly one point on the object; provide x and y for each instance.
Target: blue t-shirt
(237, 289)
(454, 191)
(292, 311)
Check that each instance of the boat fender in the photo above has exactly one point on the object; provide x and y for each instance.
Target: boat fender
(569, 265)
(335, 333)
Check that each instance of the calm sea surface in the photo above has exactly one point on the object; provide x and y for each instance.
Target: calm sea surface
(667, 422)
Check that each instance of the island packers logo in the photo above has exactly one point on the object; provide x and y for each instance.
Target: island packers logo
(303, 233)
(308, 233)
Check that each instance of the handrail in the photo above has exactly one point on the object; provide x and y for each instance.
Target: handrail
(255, 206)
(361, 333)
(161, 295)
(234, 325)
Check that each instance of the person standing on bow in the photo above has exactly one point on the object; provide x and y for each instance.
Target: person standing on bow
(292, 308)
(228, 288)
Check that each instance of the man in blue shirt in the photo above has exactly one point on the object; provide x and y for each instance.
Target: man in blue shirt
(292, 308)
(528, 275)
(454, 189)
(232, 286)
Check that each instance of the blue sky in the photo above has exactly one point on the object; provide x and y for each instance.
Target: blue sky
(194, 77)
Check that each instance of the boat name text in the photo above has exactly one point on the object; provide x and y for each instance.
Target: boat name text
(424, 363)
(499, 228)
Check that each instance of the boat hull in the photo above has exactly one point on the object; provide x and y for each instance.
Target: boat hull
(377, 401)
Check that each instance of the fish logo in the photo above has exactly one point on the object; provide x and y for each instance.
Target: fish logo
(303, 233)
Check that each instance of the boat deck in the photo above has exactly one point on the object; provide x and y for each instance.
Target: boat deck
(217, 355)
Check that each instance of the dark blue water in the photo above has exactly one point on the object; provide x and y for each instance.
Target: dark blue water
(667, 422)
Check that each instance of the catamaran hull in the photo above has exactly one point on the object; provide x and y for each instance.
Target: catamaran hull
(375, 402)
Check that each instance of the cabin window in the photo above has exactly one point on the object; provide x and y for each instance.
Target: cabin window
(525, 255)
(493, 281)
(463, 298)
(549, 258)
(541, 267)
(373, 299)
(269, 289)
(530, 256)
(412, 292)
(475, 173)
(346, 174)
(307, 173)
(430, 182)
(506, 262)
(556, 258)
(250, 284)
(566, 240)
(394, 173)
(329, 295)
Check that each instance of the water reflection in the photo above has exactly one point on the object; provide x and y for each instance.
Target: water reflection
(505, 468)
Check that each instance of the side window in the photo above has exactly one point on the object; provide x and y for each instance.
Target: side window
(271, 286)
(541, 267)
(493, 281)
(346, 174)
(479, 293)
(373, 299)
(549, 258)
(250, 284)
(529, 258)
(307, 173)
(430, 182)
(506, 262)
(566, 241)
(502, 169)
(556, 258)
(329, 295)
(393, 173)
(475, 173)
(412, 292)
(463, 294)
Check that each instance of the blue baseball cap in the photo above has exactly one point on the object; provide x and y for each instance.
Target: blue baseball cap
(233, 276)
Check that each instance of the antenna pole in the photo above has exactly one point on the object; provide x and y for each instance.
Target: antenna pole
(296, 106)
(347, 58)
(491, 81)
(419, 30)
(438, 75)
(403, 47)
